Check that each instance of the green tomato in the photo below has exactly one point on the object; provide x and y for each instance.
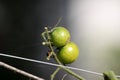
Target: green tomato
(60, 36)
(68, 53)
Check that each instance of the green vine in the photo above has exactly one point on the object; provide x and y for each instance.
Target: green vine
(46, 37)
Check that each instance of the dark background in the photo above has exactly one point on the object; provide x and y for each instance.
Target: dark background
(21, 25)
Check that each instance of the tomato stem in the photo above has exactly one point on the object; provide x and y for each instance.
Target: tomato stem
(58, 21)
(54, 73)
(46, 37)
(64, 76)
(72, 73)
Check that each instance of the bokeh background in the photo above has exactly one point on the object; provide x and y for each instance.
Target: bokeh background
(94, 26)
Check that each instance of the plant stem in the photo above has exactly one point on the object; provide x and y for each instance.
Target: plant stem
(58, 21)
(67, 70)
(57, 60)
(72, 73)
(54, 73)
(43, 35)
(64, 76)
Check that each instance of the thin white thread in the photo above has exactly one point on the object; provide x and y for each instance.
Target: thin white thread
(52, 64)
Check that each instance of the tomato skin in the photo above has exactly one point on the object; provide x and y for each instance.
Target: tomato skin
(68, 53)
(60, 36)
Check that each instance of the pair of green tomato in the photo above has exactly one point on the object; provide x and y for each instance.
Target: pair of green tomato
(68, 51)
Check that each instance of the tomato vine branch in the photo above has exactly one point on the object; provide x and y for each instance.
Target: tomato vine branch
(64, 76)
(54, 73)
(46, 37)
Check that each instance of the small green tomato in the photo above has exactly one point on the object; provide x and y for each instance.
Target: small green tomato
(68, 53)
(60, 36)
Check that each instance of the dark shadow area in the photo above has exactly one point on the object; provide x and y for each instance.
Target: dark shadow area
(21, 25)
